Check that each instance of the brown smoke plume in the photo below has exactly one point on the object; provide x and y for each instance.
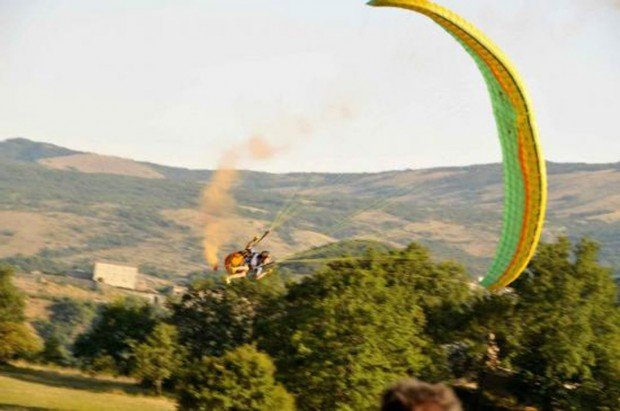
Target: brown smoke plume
(218, 204)
(261, 149)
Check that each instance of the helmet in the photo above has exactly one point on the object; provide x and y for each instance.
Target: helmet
(265, 256)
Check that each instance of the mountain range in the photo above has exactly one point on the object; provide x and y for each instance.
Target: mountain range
(62, 210)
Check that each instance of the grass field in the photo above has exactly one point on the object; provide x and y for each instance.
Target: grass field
(24, 387)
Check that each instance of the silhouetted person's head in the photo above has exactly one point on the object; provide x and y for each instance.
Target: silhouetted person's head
(414, 395)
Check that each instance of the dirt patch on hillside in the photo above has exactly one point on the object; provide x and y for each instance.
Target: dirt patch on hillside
(243, 229)
(612, 217)
(305, 240)
(42, 289)
(477, 243)
(93, 163)
(565, 187)
(379, 217)
(37, 308)
(37, 286)
(606, 209)
(415, 177)
(24, 232)
(192, 219)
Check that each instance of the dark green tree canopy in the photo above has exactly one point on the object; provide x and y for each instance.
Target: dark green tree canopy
(118, 325)
(68, 317)
(242, 379)
(159, 357)
(212, 321)
(571, 325)
(558, 330)
(342, 335)
(212, 318)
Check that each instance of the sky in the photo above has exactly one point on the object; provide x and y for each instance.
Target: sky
(333, 85)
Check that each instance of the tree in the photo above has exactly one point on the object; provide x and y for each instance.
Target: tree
(212, 319)
(559, 329)
(343, 335)
(443, 292)
(118, 325)
(12, 301)
(68, 317)
(158, 357)
(16, 338)
(571, 339)
(488, 323)
(242, 379)
(55, 350)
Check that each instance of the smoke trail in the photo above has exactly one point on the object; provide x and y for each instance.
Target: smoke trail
(218, 204)
(261, 149)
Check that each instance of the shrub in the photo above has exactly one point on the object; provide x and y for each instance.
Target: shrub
(241, 379)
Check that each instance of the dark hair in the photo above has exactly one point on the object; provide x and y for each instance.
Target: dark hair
(409, 394)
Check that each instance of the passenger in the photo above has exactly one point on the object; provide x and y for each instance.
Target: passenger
(249, 262)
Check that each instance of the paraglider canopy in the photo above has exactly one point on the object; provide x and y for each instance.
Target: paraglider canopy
(525, 186)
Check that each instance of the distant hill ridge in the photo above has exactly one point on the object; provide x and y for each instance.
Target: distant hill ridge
(25, 150)
(63, 208)
(22, 149)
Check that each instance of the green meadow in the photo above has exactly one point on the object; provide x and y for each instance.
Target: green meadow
(24, 387)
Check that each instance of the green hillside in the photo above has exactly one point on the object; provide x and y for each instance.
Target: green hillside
(21, 149)
(61, 219)
(306, 262)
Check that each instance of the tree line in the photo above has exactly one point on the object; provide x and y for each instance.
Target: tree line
(337, 338)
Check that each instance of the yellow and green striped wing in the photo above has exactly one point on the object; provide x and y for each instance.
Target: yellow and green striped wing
(525, 184)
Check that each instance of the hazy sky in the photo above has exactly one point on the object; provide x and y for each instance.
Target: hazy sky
(336, 85)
